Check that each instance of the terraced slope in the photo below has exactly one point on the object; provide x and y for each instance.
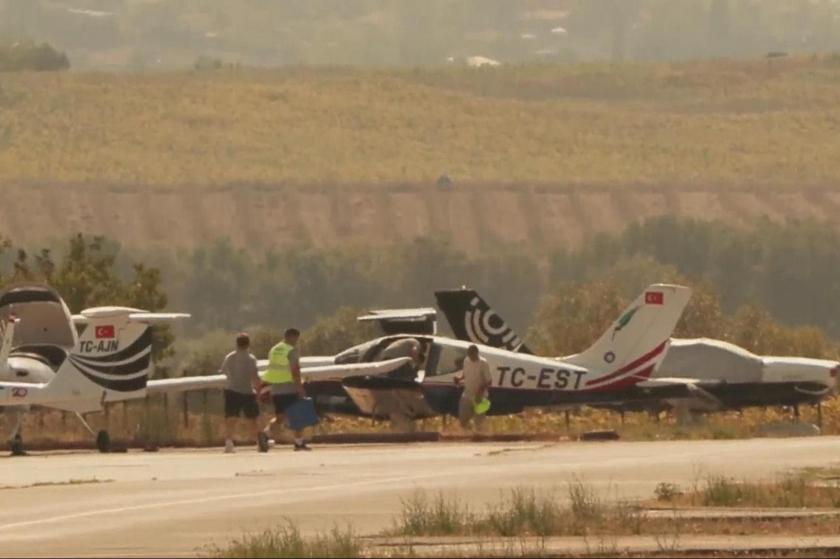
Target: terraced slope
(472, 216)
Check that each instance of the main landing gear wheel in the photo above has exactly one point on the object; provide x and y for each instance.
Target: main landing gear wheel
(17, 446)
(103, 441)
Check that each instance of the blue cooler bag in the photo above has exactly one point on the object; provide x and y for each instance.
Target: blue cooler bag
(301, 414)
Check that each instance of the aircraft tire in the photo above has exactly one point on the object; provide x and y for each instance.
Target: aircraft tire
(103, 441)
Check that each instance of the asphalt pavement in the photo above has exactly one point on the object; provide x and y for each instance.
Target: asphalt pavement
(176, 502)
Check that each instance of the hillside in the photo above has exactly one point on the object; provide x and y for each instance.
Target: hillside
(538, 153)
(474, 217)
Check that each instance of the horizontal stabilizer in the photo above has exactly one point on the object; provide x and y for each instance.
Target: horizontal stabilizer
(136, 315)
(421, 320)
(420, 313)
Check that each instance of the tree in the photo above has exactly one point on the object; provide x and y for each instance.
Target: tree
(88, 276)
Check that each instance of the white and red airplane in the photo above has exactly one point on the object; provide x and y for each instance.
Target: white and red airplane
(614, 369)
(696, 375)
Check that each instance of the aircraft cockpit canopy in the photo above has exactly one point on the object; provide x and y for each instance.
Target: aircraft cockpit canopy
(44, 318)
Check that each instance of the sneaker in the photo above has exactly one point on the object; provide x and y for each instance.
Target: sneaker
(229, 447)
(262, 442)
(302, 446)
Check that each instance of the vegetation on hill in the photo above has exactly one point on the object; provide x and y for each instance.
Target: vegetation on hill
(703, 124)
(27, 55)
(767, 272)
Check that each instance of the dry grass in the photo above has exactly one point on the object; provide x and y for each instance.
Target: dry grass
(519, 525)
(155, 424)
(578, 510)
(789, 490)
(710, 123)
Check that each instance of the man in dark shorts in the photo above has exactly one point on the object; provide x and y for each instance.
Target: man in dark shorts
(283, 376)
(240, 368)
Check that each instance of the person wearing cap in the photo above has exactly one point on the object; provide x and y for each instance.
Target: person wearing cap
(476, 380)
(240, 368)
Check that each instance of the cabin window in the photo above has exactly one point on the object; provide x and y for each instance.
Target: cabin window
(450, 359)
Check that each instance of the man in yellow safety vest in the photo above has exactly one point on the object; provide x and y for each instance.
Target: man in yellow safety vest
(283, 377)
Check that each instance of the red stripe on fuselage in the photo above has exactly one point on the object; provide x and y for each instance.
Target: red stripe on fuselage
(625, 382)
(627, 368)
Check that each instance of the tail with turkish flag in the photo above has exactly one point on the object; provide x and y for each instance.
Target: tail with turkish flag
(111, 361)
(636, 342)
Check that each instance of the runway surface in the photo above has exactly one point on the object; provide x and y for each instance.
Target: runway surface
(175, 502)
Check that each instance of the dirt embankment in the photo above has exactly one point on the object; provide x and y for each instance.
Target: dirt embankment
(471, 216)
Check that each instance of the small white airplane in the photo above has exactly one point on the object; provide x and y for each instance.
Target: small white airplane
(45, 361)
(612, 370)
(696, 375)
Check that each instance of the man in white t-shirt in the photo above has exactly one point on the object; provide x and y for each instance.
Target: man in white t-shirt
(476, 379)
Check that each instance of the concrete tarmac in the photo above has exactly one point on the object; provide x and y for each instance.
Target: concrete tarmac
(176, 502)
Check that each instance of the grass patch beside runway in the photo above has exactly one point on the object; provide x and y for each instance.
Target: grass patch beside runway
(528, 522)
(287, 541)
(790, 490)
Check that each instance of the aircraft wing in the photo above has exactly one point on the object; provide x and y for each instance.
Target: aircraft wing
(694, 388)
(682, 381)
(336, 372)
(305, 362)
(184, 384)
(310, 374)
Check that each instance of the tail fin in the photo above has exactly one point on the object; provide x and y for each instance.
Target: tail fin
(635, 343)
(111, 361)
(472, 320)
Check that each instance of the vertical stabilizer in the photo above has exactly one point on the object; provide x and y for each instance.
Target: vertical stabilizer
(635, 344)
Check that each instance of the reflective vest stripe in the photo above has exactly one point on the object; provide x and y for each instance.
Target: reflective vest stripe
(279, 371)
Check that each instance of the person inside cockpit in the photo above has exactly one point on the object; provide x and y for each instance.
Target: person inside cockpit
(405, 347)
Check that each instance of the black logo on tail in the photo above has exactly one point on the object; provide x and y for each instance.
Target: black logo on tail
(485, 326)
(124, 371)
(472, 319)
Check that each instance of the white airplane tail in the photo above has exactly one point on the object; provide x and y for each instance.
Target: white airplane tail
(111, 361)
(635, 344)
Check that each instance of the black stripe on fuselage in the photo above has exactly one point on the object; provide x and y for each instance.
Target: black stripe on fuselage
(124, 369)
(137, 346)
(128, 385)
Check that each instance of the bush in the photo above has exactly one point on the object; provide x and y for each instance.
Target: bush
(287, 541)
(667, 491)
(27, 55)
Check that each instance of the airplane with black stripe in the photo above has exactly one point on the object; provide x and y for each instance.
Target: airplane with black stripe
(78, 363)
